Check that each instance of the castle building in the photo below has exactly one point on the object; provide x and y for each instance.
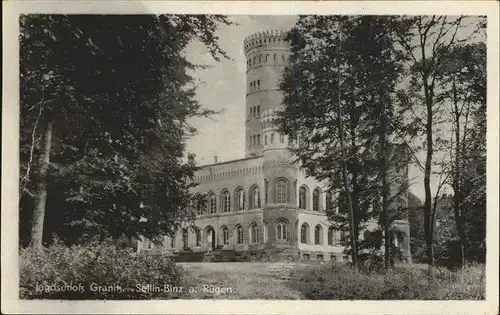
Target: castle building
(264, 202)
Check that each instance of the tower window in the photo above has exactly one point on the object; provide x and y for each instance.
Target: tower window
(282, 139)
(239, 232)
(251, 111)
(240, 195)
(226, 201)
(260, 59)
(258, 110)
(318, 233)
(265, 140)
(302, 197)
(275, 54)
(331, 234)
(251, 144)
(281, 191)
(258, 84)
(213, 205)
(316, 193)
(267, 57)
(225, 235)
(281, 230)
(304, 233)
(254, 112)
(283, 57)
(255, 198)
(253, 233)
(258, 139)
(272, 138)
(254, 60)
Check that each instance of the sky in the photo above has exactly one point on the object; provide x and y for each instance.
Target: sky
(221, 87)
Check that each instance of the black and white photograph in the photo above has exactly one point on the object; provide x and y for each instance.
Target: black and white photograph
(241, 154)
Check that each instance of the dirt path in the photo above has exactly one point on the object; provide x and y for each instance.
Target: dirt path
(241, 280)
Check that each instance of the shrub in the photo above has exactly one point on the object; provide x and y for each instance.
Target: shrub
(96, 271)
(340, 282)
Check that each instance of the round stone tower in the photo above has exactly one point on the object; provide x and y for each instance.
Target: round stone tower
(267, 55)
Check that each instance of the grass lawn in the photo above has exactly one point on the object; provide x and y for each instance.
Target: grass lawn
(264, 281)
(246, 280)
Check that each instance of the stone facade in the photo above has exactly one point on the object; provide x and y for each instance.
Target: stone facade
(263, 202)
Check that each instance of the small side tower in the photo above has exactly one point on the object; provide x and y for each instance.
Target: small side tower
(267, 55)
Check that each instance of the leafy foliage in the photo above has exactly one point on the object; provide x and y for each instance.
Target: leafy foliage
(437, 49)
(95, 265)
(118, 92)
(347, 68)
(336, 282)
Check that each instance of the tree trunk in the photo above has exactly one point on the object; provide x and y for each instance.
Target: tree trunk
(457, 179)
(353, 238)
(427, 177)
(352, 223)
(41, 191)
(384, 220)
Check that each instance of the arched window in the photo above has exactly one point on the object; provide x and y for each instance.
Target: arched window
(198, 237)
(331, 233)
(172, 242)
(303, 197)
(329, 201)
(239, 233)
(281, 191)
(254, 60)
(272, 138)
(254, 198)
(318, 235)
(213, 203)
(265, 140)
(258, 139)
(185, 239)
(258, 84)
(225, 201)
(275, 54)
(281, 230)
(260, 59)
(250, 141)
(225, 236)
(251, 112)
(282, 138)
(304, 233)
(253, 233)
(258, 110)
(316, 194)
(283, 57)
(240, 199)
(267, 57)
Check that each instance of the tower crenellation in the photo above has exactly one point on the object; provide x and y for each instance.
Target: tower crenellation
(265, 39)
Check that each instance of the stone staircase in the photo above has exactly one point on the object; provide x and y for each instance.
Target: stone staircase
(188, 256)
